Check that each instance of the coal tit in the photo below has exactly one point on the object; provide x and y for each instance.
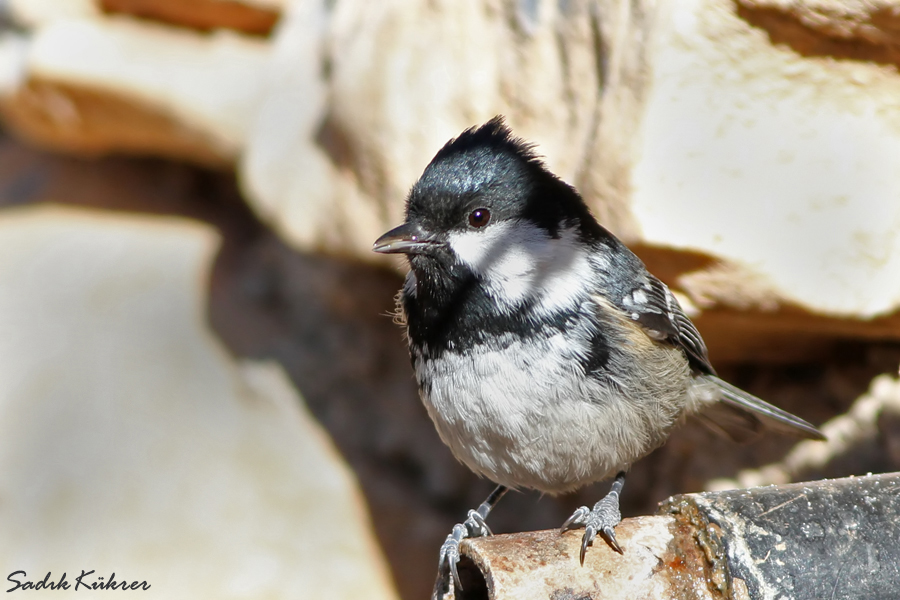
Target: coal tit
(545, 353)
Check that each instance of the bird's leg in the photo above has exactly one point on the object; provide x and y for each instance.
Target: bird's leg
(601, 519)
(473, 526)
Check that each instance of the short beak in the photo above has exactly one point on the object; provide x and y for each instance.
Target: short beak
(406, 239)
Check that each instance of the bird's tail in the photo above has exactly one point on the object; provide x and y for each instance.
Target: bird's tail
(742, 415)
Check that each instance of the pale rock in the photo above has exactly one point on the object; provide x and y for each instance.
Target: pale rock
(33, 13)
(291, 181)
(784, 164)
(13, 53)
(98, 85)
(131, 442)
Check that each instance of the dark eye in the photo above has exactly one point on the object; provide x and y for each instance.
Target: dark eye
(479, 217)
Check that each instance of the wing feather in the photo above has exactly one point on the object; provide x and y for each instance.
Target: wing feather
(653, 306)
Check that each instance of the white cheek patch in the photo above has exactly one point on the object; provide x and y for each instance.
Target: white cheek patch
(519, 262)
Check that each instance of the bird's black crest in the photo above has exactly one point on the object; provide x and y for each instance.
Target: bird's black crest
(494, 135)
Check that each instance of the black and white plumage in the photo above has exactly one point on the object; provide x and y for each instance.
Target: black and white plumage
(546, 354)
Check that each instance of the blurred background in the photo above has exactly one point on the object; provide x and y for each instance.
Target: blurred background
(200, 383)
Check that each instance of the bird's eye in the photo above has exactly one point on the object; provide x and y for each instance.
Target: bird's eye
(479, 217)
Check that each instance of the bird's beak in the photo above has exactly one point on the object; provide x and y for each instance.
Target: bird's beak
(406, 239)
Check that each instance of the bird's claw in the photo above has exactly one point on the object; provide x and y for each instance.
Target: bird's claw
(449, 556)
(586, 540)
(578, 519)
(473, 527)
(602, 519)
(609, 534)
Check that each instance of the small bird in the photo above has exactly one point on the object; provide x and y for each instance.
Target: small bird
(546, 354)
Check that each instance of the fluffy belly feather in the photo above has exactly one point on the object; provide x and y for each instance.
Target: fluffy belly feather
(529, 417)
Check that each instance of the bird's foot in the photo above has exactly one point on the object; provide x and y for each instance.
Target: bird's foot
(473, 527)
(601, 519)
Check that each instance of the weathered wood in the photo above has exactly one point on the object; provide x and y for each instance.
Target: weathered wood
(661, 559)
(823, 539)
(836, 538)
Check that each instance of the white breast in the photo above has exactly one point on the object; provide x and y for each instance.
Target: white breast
(527, 416)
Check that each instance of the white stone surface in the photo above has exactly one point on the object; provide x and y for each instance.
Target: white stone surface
(131, 442)
(32, 13)
(13, 55)
(786, 164)
(210, 82)
(287, 176)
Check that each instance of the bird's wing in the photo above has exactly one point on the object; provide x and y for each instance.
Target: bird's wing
(738, 413)
(652, 305)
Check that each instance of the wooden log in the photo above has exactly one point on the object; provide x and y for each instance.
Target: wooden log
(823, 539)
(660, 560)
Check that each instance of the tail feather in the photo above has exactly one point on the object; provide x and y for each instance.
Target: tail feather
(748, 414)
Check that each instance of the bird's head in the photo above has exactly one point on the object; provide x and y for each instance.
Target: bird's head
(486, 197)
